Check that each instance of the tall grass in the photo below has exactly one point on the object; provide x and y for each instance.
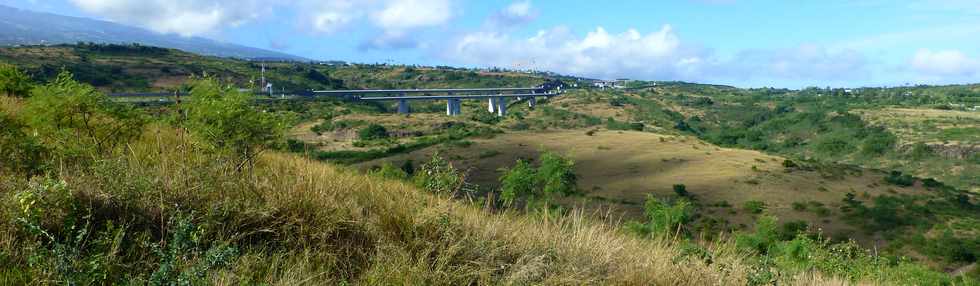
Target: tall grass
(297, 221)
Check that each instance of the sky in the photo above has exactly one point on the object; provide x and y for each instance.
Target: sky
(745, 43)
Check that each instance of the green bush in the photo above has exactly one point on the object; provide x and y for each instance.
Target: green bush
(13, 82)
(389, 171)
(439, 176)
(76, 120)
(518, 181)
(755, 207)
(681, 190)
(227, 120)
(664, 218)
(372, 132)
(899, 179)
(18, 151)
(553, 177)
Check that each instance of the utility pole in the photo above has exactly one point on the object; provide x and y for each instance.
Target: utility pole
(262, 84)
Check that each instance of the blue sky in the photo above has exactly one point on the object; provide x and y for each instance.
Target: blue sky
(738, 42)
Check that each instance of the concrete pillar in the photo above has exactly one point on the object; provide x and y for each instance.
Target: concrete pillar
(403, 106)
(457, 103)
(532, 101)
(501, 106)
(491, 102)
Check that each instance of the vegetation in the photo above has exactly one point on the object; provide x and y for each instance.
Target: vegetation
(13, 82)
(225, 118)
(538, 186)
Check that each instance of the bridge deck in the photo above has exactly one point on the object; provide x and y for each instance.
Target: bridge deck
(472, 96)
(438, 90)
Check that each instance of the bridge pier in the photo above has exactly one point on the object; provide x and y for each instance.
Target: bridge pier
(491, 103)
(501, 106)
(452, 107)
(531, 102)
(403, 107)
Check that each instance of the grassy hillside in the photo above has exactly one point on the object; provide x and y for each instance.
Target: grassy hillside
(162, 210)
(98, 192)
(806, 184)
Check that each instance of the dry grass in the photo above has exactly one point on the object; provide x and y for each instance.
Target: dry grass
(620, 168)
(300, 222)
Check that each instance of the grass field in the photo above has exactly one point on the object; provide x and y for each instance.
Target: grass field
(618, 169)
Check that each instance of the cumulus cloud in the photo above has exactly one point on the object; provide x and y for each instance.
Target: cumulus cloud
(394, 18)
(517, 13)
(409, 14)
(944, 63)
(183, 17)
(658, 54)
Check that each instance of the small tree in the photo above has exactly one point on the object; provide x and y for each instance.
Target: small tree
(664, 218)
(76, 120)
(225, 118)
(13, 82)
(439, 176)
(18, 151)
(556, 175)
(538, 185)
(517, 182)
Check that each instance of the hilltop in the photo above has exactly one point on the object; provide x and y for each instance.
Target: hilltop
(136, 68)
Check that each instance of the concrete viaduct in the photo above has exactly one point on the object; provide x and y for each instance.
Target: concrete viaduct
(496, 97)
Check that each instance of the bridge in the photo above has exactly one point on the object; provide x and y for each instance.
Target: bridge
(497, 98)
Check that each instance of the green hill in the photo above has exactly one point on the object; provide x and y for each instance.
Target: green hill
(98, 192)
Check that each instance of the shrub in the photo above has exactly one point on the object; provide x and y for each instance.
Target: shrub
(76, 120)
(226, 119)
(799, 206)
(878, 144)
(553, 177)
(388, 171)
(555, 174)
(664, 218)
(789, 164)
(18, 151)
(13, 82)
(439, 176)
(517, 182)
(372, 132)
(755, 207)
(681, 190)
(899, 179)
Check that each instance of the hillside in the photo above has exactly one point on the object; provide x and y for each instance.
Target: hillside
(119, 68)
(25, 27)
(640, 186)
(629, 145)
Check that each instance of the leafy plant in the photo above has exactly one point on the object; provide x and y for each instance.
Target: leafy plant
(77, 120)
(13, 82)
(664, 218)
(226, 119)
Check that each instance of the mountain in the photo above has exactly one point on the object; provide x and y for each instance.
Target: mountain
(25, 27)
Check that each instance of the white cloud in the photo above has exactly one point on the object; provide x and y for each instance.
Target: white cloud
(601, 54)
(409, 14)
(515, 14)
(944, 63)
(184, 17)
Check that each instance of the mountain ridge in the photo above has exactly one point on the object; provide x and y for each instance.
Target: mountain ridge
(27, 27)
